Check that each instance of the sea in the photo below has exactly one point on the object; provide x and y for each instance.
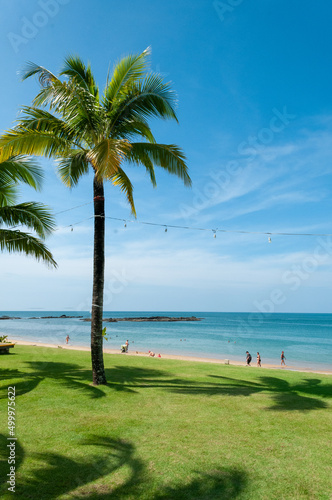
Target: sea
(306, 339)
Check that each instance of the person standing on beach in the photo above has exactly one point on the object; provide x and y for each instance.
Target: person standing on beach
(67, 339)
(259, 361)
(127, 345)
(248, 358)
(283, 358)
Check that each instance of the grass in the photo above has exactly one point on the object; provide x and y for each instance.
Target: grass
(163, 429)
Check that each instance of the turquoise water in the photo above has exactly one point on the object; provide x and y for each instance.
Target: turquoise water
(305, 338)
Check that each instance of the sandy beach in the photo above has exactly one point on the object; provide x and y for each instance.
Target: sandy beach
(177, 357)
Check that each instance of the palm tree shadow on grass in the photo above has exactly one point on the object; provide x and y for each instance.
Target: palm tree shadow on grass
(223, 484)
(28, 384)
(9, 374)
(74, 377)
(315, 387)
(292, 401)
(67, 374)
(56, 475)
(286, 397)
(122, 379)
(131, 379)
(219, 484)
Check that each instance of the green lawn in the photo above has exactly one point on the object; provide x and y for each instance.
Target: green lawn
(163, 429)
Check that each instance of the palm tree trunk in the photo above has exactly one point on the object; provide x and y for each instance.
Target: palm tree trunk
(98, 371)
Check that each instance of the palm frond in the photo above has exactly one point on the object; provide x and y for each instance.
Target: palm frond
(62, 97)
(76, 105)
(72, 167)
(79, 108)
(33, 142)
(85, 116)
(19, 168)
(76, 70)
(122, 180)
(107, 156)
(129, 128)
(33, 215)
(148, 98)
(8, 194)
(128, 70)
(145, 160)
(45, 77)
(17, 241)
(168, 156)
(44, 121)
(51, 96)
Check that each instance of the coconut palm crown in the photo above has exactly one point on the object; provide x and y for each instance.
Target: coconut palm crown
(28, 215)
(73, 122)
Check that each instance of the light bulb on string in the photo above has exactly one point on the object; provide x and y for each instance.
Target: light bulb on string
(125, 224)
(166, 229)
(71, 228)
(269, 240)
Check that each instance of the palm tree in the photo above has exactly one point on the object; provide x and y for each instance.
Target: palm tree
(30, 215)
(71, 121)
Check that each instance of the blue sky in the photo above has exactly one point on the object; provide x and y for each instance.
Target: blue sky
(253, 80)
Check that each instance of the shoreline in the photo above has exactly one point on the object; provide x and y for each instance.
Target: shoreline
(177, 357)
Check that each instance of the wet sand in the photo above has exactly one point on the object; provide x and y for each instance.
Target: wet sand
(177, 357)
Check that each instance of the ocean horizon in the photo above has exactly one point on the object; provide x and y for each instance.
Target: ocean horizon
(305, 338)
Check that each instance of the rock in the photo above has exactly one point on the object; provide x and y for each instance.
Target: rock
(149, 318)
(9, 317)
(63, 316)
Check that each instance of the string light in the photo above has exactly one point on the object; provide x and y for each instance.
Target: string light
(125, 221)
(236, 231)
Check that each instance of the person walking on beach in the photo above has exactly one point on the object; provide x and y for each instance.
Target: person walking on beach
(259, 361)
(248, 358)
(67, 339)
(282, 358)
(127, 345)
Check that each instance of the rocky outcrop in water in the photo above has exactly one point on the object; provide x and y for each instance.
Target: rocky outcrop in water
(63, 316)
(114, 320)
(9, 317)
(149, 318)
